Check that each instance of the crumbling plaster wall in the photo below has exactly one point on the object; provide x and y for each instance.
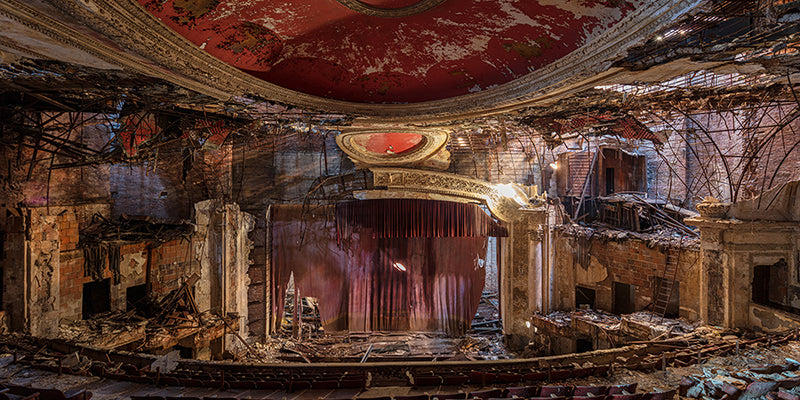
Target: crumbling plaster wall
(631, 261)
(31, 272)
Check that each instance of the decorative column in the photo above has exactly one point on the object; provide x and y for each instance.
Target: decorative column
(224, 256)
(31, 272)
(524, 275)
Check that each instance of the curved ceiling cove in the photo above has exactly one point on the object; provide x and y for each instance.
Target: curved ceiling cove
(424, 50)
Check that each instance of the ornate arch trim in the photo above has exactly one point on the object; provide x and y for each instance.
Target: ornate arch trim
(403, 181)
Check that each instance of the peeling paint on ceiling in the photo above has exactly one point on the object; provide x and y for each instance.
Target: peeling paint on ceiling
(322, 48)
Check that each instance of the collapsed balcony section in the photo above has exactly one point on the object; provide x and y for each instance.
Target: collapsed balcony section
(128, 283)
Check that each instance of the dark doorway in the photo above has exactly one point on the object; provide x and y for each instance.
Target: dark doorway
(583, 345)
(134, 296)
(185, 352)
(96, 297)
(624, 298)
(609, 181)
(584, 296)
(761, 284)
(771, 286)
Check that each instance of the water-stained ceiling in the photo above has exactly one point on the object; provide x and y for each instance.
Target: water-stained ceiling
(389, 51)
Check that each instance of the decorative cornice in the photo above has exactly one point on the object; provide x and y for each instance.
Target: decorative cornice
(177, 60)
(415, 180)
(37, 20)
(414, 9)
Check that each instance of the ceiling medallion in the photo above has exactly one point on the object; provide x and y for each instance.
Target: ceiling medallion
(416, 8)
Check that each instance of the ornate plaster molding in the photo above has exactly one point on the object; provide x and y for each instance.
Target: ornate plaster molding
(433, 142)
(167, 55)
(407, 181)
(416, 8)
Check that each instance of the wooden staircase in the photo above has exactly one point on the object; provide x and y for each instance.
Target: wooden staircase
(664, 291)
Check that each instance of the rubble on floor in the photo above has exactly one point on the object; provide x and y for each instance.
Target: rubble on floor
(763, 364)
(154, 327)
(382, 347)
(312, 344)
(750, 370)
(640, 325)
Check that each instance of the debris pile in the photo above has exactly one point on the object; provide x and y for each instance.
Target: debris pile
(153, 326)
(655, 238)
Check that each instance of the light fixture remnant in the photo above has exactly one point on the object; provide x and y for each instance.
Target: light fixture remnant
(554, 165)
(399, 267)
(513, 192)
(527, 324)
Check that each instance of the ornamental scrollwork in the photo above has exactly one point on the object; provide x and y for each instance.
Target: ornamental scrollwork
(401, 179)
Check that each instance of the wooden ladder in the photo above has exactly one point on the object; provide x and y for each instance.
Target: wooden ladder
(665, 289)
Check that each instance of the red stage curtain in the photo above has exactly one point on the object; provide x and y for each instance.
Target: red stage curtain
(360, 281)
(401, 218)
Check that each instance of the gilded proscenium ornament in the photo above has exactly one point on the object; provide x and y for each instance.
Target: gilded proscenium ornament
(401, 179)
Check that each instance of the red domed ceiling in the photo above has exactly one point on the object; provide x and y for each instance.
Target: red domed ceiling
(327, 48)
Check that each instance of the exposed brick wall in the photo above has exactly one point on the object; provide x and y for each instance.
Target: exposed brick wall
(690, 166)
(68, 231)
(631, 261)
(172, 261)
(257, 299)
(72, 281)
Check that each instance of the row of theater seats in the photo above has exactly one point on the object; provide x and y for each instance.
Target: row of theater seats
(490, 378)
(614, 392)
(786, 389)
(16, 392)
(288, 380)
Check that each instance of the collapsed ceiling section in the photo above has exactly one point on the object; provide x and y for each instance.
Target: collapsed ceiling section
(722, 56)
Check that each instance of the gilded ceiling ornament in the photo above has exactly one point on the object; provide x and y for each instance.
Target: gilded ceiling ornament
(370, 147)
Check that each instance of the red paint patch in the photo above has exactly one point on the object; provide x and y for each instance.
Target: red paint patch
(246, 45)
(389, 143)
(135, 130)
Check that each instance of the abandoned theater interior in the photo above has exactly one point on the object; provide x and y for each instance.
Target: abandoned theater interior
(399, 199)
